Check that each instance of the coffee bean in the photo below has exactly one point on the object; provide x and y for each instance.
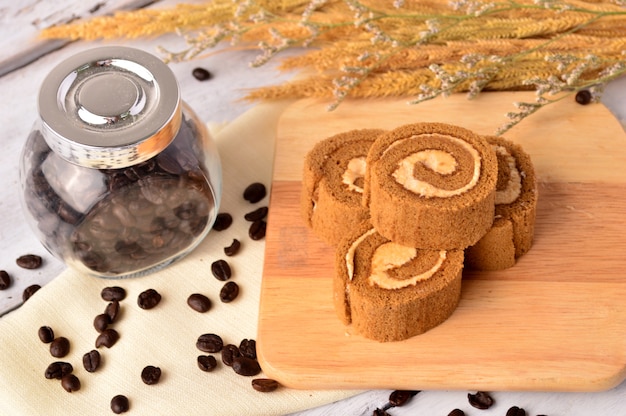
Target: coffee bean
(233, 248)
(70, 383)
(229, 353)
(107, 338)
(257, 230)
(264, 385)
(245, 366)
(29, 261)
(59, 347)
(221, 270)
(199, 302)
(46, 334)
(201, 74)
(148, 299)
(113, 293)
(112, 310)
(247, 347)
(207, 362)
(30, 291)
(254, 192)
(256, 215)
(101, 322)
(380, 412)
(583, 97)
(222, 221)
(456, 412)
(151, 375)
(480, 400)
(401, 397)
(5, 280)
(210, 343)
(229, 292)
(516, 411)
(91, 361)
(57, 370)
(120, 404)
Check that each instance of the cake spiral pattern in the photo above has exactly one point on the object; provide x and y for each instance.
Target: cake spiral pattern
(431, 185)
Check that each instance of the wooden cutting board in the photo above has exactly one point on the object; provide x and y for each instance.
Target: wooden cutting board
(554, 322)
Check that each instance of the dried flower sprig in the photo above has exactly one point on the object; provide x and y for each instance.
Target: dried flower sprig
(419, 48)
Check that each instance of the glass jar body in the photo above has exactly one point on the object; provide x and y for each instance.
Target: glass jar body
(129, 221)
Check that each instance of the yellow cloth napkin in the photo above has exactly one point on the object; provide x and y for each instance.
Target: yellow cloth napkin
(166, 335)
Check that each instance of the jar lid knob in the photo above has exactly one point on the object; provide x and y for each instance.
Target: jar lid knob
(110, 107)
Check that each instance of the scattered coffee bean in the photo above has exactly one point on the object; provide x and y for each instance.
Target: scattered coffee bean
(257, 230)
(29, 261)
(107, 338)
(254, 192)
(233, 248)
(113, 293)
(480, 400)
(112, 310)
(399, 398)
(58, 369)
(101, 322)
(264, 385)
(245, 366)
(5, 280)
(151, 375)
(46, 334)
(229, 292)
(70, 383)
(583, 97)
(229, 353)
(257, 214)
(221, 270)
(516, 411)
(456, 412)
(201, 74)
(207, 362)
(198, 302)
(210, 343)
(120, 404)
(380, 412)
(91, 361)
(222, 221)
(148, 299)
(30, 291)
(59, 347)
(247, 347)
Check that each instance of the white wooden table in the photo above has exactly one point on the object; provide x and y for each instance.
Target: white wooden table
(215, 101)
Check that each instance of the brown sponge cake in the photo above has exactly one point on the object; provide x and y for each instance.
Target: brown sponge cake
(512, 233)
(332, 185)
(390, 292)
(431, 186)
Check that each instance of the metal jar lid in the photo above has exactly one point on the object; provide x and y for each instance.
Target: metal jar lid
(110, 107)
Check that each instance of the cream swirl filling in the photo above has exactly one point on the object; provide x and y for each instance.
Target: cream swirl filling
(513, 188)
(440, 162)
(354, 171)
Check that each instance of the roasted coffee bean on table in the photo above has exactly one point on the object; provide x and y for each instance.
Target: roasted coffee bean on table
(59, 347)
(257, 230)
(221, 270)
(46, 334)
(112, 310)
(229, 292)
(199, 302)
(257, 214)
(201, 74)
(264, 385)
(399, 398)
(233, 248)
(254, 192)
(5, 280)
(120, 404)
(380, 412)
(206, 362)
(222, 221)
(70, 383)
(107, 338)
(211, 343)
(101, 322)
(150, 375)
(58, 369)
(148, 299)
(456, 412)
(30, 291)
(29, 261)
(247, 347)
(480, 400)
(229, 353)
(113, 293)
(91, 361)
(516, 411)
(245, 366)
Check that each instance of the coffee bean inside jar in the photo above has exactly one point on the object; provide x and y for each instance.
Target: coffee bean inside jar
(128, 205)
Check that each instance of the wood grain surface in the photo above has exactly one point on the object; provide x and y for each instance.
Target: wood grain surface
(554, 322)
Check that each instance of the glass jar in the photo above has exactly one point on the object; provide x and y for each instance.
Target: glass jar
(119, 178)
